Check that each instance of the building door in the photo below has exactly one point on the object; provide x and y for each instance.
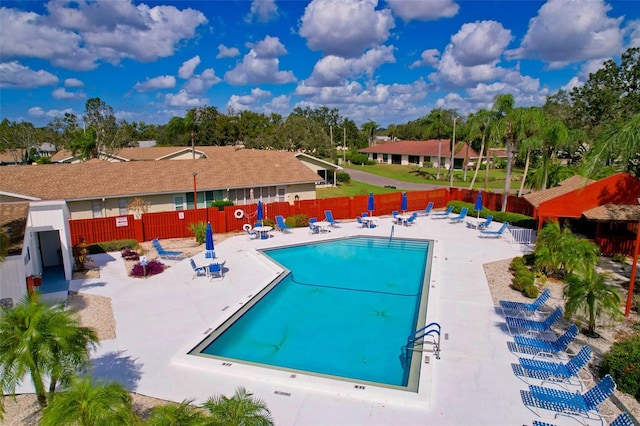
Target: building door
(281, 193)
(50, 248)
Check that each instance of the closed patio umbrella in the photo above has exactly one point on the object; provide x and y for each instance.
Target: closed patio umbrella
(371, 204)
(208, 243)
(260, 214)
(478, 205)
(405, 203)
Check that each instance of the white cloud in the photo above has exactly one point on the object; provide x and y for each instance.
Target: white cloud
(156, 83)
(345, 27)
(572, 84)
(566, 31)
(472, 56)
(240, 103)
(73, 82)
(261, 65)
(199, 84)
(184, 99)
(428, 58)
(410, 10)
(262, 11)
(479, 43)
(187, 68)
(52, 113)
(334, 70)
(227, 52)
(633, 29)
(14, 75)
(61, 93)
(80, 35)
(525, 90)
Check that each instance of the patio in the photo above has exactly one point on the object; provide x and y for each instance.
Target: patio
(159, 319)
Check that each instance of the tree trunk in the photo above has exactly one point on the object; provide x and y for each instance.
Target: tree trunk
(507, 179)
(439, 155)
(524, 175)
(475, 174)
(36, 378)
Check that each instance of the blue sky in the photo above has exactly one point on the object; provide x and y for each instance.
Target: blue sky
(388, 61)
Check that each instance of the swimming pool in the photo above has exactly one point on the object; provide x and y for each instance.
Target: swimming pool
(344, 310)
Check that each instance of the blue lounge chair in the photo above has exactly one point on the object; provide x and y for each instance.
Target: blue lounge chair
(543, 347)
(545, 371)
(460, 217)
(328, 215)
(411, 220)
(216, 270)
(281, 225)
(494, 234)
(313, 228)
(395, 214)
(442, 215)
(569, 403)
(199, 271)
(166, 254)
(623, 419)
(517, 325)
(252, 234)
(360, 222)
(526, 309)
(427, 210)
(486, 223)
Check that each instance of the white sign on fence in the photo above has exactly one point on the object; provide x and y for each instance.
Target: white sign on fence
(122, 221)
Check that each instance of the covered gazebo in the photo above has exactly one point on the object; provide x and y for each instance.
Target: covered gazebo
(602, 210)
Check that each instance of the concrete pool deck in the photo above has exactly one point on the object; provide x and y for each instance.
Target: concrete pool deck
(161, 318)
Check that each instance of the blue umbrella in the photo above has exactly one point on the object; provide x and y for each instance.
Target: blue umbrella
(478, 205)
(371, 204)
(208, 243)
(260, 214)
(405, 202)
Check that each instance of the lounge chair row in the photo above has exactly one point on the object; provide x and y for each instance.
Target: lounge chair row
(523, 324)
(166, 254)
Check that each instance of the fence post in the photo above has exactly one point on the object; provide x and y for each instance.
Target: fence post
(138, 229)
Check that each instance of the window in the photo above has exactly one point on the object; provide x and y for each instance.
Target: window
(178, 202)
(96, 207)
(122, 207)
(427, 159)
(414, 159)
(385, 158)
(282, 192)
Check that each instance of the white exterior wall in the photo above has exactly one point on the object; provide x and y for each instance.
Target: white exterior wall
(13, 284)
(48, 216)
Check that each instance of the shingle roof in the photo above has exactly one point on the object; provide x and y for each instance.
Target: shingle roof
(13, 219)
(614, 212)
(429, 147)
(564, 187)
(225, 168)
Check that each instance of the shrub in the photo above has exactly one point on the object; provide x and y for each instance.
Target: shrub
(80, 256)
(531, 291)
(514, 219)
(343, 177)
(221, 204)
(154, 267)
(130, 254)
(199, 230)
(623, 363)
(620, 258)
(359, 158)
(297, 221)
(115, 245)
(517, 263)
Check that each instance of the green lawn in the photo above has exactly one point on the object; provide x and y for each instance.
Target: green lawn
(415, 174)
(351, 189)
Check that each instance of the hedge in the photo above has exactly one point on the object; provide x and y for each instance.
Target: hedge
(514, 219)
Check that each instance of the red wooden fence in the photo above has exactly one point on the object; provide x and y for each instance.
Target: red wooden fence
(176, 224)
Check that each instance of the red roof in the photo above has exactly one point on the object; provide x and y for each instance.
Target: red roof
(426, 148)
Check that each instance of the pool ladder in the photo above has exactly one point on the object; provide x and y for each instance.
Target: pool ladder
(391, 235)
(415, 342)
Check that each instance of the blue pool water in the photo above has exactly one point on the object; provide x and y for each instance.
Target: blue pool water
(346, 309)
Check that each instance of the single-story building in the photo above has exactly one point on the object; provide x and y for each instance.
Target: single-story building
(422, 153)
(605, 211)
(39, 246)
(101, 188)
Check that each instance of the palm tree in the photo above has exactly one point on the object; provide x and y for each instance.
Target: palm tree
(88, 403)
(533, 124)
(506, 131)
(559, 250)
(41, 340)
(183, 414)
(620, 141)
(479, 127)
(590, 295)
(240, 410)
